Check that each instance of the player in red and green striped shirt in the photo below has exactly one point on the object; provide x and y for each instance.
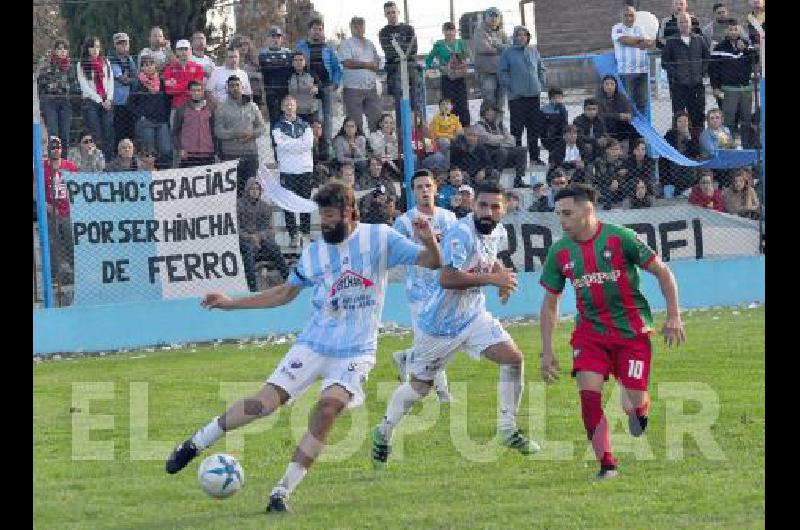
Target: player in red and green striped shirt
(613, 325)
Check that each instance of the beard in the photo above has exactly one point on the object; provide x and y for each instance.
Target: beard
(484, 225)
(335, 234)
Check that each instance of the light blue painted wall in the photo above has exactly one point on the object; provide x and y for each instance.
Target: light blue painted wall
(707, 282)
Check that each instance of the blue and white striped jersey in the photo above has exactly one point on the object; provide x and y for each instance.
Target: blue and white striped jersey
(349, 281)
(420, 282)
(630, 59)
(449, 311)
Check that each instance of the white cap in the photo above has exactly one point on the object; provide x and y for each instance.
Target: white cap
(183, 43)
(467, 188)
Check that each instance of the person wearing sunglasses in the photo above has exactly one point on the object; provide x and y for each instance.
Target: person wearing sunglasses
(87, 156)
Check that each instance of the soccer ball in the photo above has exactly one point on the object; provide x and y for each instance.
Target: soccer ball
(220, 475)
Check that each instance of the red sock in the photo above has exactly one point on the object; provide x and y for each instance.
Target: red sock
(596, 427)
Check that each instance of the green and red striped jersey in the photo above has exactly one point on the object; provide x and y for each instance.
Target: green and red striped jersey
(605, 274)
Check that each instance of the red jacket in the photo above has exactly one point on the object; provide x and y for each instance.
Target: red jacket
(60, 188)
(181, 75)
(715, 202)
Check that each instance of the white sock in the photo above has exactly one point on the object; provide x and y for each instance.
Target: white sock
(509, 391)
(401, 402)
(208, 434)
(294, 474)
(440, 382)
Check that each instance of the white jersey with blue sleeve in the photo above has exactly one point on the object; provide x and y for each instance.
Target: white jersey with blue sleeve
(451, 310)
(420, 282)
(349, 281)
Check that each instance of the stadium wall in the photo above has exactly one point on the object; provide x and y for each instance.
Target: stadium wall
(702, 283)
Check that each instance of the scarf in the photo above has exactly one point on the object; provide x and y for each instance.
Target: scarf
(62, 63)
(97, 73)
(153, 84)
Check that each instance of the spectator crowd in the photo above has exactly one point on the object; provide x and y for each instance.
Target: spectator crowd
(176, 108)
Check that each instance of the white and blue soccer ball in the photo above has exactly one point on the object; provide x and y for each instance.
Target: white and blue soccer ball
(220, 475)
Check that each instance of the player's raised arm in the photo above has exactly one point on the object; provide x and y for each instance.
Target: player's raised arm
(673, 327)
(431, 256)
(272, 297)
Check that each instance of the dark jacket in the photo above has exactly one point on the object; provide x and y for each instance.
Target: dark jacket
(589, 132)
(405, 38)
(645, 171)
(605, 172)
(470, 161)
(559, 153)
(255, 215)
(153, 106)
(690, 148)
(276, 67)
(729, 66)
(686, 65)
(554, 120)
(53, 81)
(669, 29)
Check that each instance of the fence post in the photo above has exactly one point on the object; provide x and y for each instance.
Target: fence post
(405, 121)
(41, 201)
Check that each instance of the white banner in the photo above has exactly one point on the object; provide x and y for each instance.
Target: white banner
(155, 235)
(674, 232)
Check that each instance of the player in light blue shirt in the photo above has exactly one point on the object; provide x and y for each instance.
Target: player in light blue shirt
(420, 282)
(456, 319)
(348, 272)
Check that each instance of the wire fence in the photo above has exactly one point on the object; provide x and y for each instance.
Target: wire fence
(166, 190)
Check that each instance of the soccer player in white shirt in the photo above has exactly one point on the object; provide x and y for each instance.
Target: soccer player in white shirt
(348, 271)
(456, 318)
(421, 282)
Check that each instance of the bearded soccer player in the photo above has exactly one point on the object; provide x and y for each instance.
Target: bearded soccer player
(613, 324)
(456, 318)
(420, 282)
(348, 272)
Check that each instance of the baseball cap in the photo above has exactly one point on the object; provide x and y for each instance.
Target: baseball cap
(492, 11)
(275, 30)
(467, 188)
(183, 43)
(53, 140)
(120, 37)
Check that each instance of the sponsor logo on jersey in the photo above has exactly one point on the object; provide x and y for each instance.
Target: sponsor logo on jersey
(597, 278)
(295, 363)
(350, 280)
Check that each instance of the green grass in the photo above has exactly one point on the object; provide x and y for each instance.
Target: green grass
(433, 485)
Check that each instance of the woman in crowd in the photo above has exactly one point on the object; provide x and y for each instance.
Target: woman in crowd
(350, 145)
(740, 197)
(97, 89)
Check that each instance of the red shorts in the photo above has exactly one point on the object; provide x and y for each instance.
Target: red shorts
(627, 359)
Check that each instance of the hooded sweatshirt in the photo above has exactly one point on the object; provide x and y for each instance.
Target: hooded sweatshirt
(484, 47)
(255, 216)
(520, 70)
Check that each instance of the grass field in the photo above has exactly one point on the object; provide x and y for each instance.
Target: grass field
(445, 477)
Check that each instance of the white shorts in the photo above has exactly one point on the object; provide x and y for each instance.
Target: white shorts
(431, 354)
(301, 367)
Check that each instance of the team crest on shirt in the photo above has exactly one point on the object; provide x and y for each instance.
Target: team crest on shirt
(570, 265)
(607, 254)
